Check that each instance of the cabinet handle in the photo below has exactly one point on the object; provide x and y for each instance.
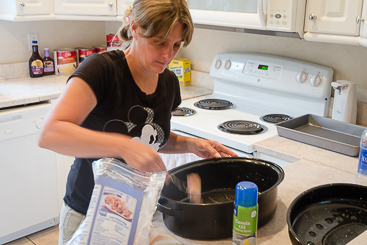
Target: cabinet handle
(359, 20)
(110, 5)
(21, 4)
(312, 17)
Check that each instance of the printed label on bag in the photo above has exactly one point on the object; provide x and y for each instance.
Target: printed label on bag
(116, 214)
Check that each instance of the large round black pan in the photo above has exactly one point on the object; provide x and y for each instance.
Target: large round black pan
(213, 219)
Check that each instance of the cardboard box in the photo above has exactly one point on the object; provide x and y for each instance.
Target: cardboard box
(182, 69)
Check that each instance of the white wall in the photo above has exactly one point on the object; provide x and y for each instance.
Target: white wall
(51, 34)
(112, 27)
(349, 62)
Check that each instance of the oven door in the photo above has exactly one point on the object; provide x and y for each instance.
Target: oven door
(230, 13)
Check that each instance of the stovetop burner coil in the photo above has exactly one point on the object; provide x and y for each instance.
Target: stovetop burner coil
(242, 127)
(214, 104)
(275, 118)
(183, 111)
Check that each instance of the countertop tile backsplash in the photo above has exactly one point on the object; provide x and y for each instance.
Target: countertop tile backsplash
(14, 70)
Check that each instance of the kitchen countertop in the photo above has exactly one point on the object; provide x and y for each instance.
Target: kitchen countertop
(26, 90)
(327, 167)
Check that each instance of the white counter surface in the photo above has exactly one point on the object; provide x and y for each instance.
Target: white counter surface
(315, 167)
(26, 90)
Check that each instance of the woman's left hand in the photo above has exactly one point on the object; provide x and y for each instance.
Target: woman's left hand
(209, 149)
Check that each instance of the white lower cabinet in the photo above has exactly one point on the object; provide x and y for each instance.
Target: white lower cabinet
(85, 7)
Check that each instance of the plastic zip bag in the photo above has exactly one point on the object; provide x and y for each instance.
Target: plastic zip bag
(123, 202)
(159, 237)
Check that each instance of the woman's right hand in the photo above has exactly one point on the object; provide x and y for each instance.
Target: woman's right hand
(142, 157)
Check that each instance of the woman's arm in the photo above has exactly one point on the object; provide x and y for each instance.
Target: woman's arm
(200, 147)
(61, 132)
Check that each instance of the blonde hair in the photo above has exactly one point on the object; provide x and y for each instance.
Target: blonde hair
(156, 16)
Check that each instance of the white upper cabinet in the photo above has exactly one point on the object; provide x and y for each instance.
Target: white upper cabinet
(123, 5)
(85, 7)
(18, 9)
(333, 21)
(363, 21)
(333, 16)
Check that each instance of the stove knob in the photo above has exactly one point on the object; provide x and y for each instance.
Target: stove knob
(227, 65)
(218, 64)
(315, 81)
(301, 77)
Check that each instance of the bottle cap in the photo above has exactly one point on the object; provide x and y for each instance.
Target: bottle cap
(34, 42)
(246, 194)
(46, 52)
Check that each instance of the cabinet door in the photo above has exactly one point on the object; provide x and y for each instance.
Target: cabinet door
(33, 7)
(85, 7)
(123, 5)
(333, 16)
(25, 7)
(364, 22)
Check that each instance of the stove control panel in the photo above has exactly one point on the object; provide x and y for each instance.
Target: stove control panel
(275, 73)
(267, 70)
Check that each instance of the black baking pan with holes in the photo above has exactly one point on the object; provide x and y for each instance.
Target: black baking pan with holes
(332, 214)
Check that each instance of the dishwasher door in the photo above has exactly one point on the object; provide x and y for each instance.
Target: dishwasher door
(28, 177)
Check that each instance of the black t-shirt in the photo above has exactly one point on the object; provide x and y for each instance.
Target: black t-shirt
(121, 108)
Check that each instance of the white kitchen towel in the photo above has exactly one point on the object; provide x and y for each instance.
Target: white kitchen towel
(174, 160)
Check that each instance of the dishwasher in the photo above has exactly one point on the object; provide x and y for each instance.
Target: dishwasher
(28, 175)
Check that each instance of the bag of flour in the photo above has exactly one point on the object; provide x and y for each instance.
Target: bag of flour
(123, 202)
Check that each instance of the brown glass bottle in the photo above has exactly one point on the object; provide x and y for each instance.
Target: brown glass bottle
(35, 62)
(48, 63)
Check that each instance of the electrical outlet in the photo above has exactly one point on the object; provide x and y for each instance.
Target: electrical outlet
(32, 37)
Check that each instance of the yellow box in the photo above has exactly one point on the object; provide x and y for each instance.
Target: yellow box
(182, 69)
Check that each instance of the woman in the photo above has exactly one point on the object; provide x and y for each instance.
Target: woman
(118, 104)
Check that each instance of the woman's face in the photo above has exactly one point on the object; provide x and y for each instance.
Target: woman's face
(157, 57)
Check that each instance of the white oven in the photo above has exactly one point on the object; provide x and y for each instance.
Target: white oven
(274, 15)
(252, 92)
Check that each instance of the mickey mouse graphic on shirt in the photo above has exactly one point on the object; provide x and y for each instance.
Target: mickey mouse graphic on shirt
(140, 123)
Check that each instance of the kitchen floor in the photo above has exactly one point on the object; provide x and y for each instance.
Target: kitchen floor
(48, 236)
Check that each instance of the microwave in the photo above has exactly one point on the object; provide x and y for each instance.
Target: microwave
(263, 15)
